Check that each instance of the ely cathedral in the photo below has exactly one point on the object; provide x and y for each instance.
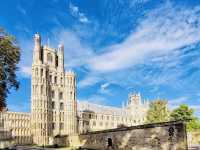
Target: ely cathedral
(55, 111)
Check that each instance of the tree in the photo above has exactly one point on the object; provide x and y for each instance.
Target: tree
(158, 111)
(183, 112)
(9, 58)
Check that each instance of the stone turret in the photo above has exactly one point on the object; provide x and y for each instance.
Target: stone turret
(71, 126)
(61, 57)
(134, 99)
(41, 118)
(37, 49)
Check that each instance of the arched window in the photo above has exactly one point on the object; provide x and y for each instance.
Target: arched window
(61, 80)
(60, 95)
(61, 126)
(52, 94)
(50, 78)
(90, 116)
(53, 105)
(61, 106)
(36, 71)
(49, 57)
(53, 125)
(41, 73)
(42, 89)
(55, 80)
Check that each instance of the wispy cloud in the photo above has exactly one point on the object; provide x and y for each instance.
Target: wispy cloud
(25, 71)
(104, 88)
(74, 10)
(21, 9)
(174, 103)
(76, 52)
(95, 99)
(162, 31)
(26, 56)
(19, 107)
(136, 2)
(88, 81)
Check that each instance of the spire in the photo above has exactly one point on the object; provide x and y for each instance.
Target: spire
(37, 39)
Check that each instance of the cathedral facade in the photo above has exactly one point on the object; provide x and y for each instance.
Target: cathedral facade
(54, 107)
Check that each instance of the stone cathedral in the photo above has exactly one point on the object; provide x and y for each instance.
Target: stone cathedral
(55, 111)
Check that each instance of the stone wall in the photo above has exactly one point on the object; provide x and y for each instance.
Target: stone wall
(193, 138)
(160, 136)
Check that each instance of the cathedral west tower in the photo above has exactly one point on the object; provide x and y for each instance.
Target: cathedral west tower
(54, 110)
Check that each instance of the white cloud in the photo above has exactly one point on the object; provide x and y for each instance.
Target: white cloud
(25, 71)
(88, 81)
(20, 9)
(95, 99)
(105, 85)
(74, 10)
(163, 30)
(104, 89)
(174, 103)
(26, 46)
(196, 109)
(76, 53)
(136, 2)
(19, 107)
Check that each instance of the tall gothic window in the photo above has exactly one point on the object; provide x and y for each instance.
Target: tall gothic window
(90, 116)
(53, 105)
(36, 71)
(53, 125)
(55, 80)
(49, 57)
(60, 95)
(61, 106)
(42, 89)
(52, 94)
(61, 126)
(50, 78)
(41, 73)
(56, 60)
(61, 80)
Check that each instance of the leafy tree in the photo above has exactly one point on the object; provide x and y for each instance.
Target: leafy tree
(183, 112)
(158, 111)
(193, 125)
(9, 58)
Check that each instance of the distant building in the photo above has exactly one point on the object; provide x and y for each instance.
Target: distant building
(5, 134)
(54, 109)
(93, 117)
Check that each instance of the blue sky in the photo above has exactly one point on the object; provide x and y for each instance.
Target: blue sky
(115, 47)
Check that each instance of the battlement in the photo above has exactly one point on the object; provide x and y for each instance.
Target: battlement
(46, 47)
(70, 73)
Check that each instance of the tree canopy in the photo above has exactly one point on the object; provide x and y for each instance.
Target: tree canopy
(183, 112)
(9, 58)
(158, 111)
